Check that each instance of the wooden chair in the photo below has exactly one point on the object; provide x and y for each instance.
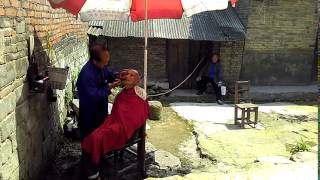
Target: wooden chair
(138, 139)
(243, 103)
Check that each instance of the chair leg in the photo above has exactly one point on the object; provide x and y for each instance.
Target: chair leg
(248, 116)
(235, 115)
(141, 154)
(242, 117)
(256, 116)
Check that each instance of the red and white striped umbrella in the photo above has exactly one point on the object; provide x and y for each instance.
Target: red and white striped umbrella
(121, 9)
(91, 10)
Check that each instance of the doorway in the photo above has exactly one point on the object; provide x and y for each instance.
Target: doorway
(182, 58)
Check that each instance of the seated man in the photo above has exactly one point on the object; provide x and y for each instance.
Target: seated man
(130, 111)
(211, 73)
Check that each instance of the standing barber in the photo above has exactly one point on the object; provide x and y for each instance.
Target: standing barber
(94, 84)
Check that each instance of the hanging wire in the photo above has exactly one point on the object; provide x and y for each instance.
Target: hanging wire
(170, 90)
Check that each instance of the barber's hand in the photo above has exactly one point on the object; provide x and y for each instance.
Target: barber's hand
(198, 79)
(116, 83)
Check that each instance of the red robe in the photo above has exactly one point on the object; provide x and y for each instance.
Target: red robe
(129, 112)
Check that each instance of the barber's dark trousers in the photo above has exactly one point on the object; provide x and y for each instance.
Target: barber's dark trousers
(202, 85)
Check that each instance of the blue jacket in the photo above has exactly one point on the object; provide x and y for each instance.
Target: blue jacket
(93, 91)
(205, 71)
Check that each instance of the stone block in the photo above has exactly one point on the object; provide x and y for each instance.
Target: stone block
(155, 110)
(21, 45)
(15, 175)
(7, 40)
(21, 38)
(6, 22)
(166, 160)
(13, 139)
(7, 74)
(9, 51)
(7, 126)
(7, 105)
(2, 48)
(21, 67)
(6, 170)
(5, 151)
(20, 26)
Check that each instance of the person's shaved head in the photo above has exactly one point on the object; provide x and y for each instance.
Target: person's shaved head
(131, 79)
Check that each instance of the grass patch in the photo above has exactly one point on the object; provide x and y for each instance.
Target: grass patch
(300, 146)
(169, 132)
(240, 148)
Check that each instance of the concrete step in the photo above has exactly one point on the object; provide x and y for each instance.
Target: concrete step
(258, 94)
(284, 93)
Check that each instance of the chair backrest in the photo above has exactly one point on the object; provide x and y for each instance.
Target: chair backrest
(242, 92)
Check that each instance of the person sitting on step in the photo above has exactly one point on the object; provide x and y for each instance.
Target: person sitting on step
(211, 72)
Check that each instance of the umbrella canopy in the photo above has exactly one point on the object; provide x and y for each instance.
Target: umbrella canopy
(90, 10)
(72, 6)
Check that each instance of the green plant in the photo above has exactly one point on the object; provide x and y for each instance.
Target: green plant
(300, 146)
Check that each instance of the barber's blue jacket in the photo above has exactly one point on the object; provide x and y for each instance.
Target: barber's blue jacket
(93, 91)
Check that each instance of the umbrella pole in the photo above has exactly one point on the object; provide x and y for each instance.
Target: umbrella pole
(145, 62)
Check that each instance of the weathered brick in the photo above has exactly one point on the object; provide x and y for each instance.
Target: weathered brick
(13, 139)
(10, 11)
(7, 105)
(15, 3)
(20, 26)
(22, 45)
(15, 45)
(2, 48)
(22, 13)
(5, 151)
(2, 12)
(6, 22)
(7, 74)
(15, 175)
(21, 67)
(5, 3)
(7, 126)
(25, 4)
(30, 13)
(6, 170)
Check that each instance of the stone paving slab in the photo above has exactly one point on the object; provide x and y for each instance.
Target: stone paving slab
(214, 113)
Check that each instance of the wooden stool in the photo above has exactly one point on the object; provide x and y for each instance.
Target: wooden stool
(246, 109)
(243, 103)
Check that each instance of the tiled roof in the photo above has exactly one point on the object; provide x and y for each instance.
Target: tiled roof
(222, 25)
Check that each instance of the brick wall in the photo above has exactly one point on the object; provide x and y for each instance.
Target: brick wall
(129, 52)
(231, 60)
(29, 124)
(242, 8)
(318, 38)
(280, 41)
